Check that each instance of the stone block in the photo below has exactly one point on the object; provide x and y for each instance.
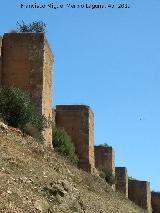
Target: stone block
(121, 177)
(78, 122)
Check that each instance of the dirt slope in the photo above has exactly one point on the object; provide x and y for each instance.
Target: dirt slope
(35, 179)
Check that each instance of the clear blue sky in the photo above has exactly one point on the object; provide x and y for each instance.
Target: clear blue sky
(108, 59)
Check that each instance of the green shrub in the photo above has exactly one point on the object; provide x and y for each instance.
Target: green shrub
(17, 110)
(62, 143)
(131, 178)
(107, 175)
(104, 145)
(35, 26)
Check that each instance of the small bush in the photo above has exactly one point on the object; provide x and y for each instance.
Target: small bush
(104, 145)
(62, 143)
(17, 110)
(131, 178)
(107, 175)
(36, 27)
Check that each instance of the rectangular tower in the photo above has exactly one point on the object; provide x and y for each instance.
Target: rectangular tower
(139, 193)
(105, 158)
(27, 64)
(78, 122)
(122, 180)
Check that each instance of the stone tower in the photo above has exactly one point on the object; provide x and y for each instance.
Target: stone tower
(78, 122)
(139, 193)
(105, 158)
(27, 64)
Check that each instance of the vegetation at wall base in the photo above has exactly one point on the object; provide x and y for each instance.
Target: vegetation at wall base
(62, 143)
(107, 175)
(35, 27)
(17, 110)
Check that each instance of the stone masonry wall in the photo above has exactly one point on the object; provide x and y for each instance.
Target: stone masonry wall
(155, 200)
(27, 64)
(122, 180)
(139, 193)
(105, 158)
(78, 122)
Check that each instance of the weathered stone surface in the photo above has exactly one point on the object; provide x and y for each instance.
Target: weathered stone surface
(139, 193)
(27, 64)
(78, 122)
(121, 180)
(155, 200)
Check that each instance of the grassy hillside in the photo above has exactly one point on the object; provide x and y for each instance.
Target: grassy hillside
(35, 179)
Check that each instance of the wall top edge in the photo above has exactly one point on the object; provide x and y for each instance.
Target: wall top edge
(77, 106)
(103, 147)
(139, 181)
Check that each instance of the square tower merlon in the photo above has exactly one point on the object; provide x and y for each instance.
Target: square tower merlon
(155, 200)
(27, 64)
(139, 193)
(121, 177)
(105, 158)
(78, 122)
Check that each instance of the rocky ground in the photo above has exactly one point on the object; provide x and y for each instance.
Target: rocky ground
(36, 179)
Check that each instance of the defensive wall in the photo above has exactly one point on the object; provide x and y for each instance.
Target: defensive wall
(26, 62)
(78, 122)
(121, 177)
